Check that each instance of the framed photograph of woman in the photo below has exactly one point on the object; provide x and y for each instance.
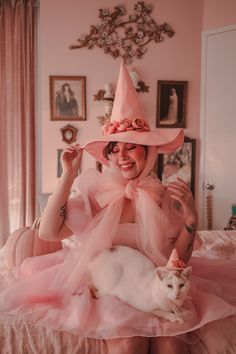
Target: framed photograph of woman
(171, 104)
(180, 163)
(68, 97)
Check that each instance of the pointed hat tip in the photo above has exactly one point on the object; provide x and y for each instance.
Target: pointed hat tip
(126, 103)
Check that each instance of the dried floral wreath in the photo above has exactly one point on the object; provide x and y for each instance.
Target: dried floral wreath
(126, 38)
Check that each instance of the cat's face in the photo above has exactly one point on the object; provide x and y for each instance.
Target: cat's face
(175, 283)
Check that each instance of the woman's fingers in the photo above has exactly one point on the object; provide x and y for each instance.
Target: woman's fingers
(179, 184)
(68, 154)
(180, 191)
(71, 151)
(177, 191)
(180, 197)
(71, 158)
(72, 148)
(179, 188)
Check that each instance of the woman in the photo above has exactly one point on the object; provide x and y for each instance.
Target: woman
(172, 113)
(131, 160)
(127, 205)
(66, 103)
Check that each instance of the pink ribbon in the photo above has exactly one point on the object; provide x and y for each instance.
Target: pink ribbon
(113, 189)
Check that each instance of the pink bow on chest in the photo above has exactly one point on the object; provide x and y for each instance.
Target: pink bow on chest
(112, 188)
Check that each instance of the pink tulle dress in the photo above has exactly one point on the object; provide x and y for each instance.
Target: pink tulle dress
(53, 289)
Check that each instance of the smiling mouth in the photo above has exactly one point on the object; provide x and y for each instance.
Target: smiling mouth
(126, 167)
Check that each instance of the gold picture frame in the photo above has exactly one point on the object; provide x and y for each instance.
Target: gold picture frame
(67, 98)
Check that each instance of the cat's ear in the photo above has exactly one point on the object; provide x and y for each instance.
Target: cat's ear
(161, 272)
(186, 272)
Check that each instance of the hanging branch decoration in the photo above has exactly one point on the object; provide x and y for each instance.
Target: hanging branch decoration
(126, 38)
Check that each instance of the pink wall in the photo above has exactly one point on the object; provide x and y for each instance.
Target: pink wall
(177, 58)
(218, 13)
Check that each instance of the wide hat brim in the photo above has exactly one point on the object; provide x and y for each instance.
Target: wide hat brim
(166, 140)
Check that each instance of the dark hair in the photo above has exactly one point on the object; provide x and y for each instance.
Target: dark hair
(109, 148)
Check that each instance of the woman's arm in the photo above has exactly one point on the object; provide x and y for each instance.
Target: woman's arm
(180, 191)
(52, 225)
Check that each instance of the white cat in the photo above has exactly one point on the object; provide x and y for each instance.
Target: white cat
(130, 276)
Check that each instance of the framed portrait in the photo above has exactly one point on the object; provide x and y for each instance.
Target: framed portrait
(67, 97)
(180, 163)
(171, 104)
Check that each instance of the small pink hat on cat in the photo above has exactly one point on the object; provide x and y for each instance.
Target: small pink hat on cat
(129, 124)
(174, 262)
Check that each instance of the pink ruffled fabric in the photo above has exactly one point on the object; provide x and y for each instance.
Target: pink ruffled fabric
(212, 298)
(53, 289)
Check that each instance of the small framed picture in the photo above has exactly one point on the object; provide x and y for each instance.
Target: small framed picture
(171, 104)
(69, 133)
(180, 163)
(68, 97)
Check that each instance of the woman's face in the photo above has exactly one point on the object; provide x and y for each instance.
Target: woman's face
(66, 88)
(130, 158)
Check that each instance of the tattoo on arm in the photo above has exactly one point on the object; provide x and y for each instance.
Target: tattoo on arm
(62, 214)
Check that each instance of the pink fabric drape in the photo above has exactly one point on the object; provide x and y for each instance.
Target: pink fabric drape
(17, 114)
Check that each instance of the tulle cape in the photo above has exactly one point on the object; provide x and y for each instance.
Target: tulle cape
(146, 193)
(53, 289)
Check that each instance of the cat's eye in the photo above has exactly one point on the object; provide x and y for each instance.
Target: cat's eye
(170, 286)
(181, 285)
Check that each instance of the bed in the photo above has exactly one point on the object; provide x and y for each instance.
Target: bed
(22, 337)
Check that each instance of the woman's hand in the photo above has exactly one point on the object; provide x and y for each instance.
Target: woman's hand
(179, 190)
(71, 159)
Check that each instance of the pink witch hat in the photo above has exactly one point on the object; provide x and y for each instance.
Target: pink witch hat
(128, 124)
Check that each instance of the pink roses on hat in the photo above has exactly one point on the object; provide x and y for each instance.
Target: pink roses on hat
(140, 125)
(109, 128)
(124, 125)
